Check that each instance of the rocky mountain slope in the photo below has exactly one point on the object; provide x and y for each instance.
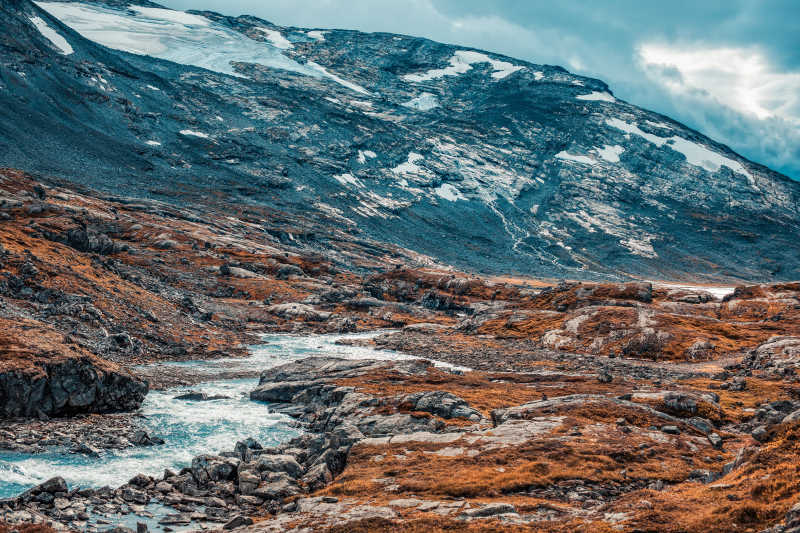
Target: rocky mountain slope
(481, 161)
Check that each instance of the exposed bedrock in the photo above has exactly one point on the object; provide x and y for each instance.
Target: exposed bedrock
(68, 387)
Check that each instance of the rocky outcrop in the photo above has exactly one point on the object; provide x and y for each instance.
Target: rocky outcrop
(68, 387)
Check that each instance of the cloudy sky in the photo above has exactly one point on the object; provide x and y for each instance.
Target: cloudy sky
(729, 68)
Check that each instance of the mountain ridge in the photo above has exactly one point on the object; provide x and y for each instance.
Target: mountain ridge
(477, 159)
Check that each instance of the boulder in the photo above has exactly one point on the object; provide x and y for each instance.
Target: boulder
(282, 488)
(248, 482)
(238, 521)
(317, 477)
(279, 463)
(491, 509)
(292, 311)
(443, 404)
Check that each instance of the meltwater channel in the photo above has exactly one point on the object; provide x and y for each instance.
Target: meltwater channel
(189, 428)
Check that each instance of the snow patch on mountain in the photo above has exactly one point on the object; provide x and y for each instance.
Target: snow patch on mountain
(576, 158)
(423, 102)
(410, 166)
(695, 154)
(348, 179)
(449, 192)
(462, 62)
(169, 15)
(364, 154)
(52, 35)
(317, 35)
(192, 133)
(350, 85)
(172, 35)
(276, 38)
(597, 96)
(610, 153)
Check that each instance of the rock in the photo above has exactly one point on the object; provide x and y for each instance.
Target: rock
(207, 468)
(248, 482)
(715, 440)
(604, 377)
(68, 387)
(442, 404)
(279, 463)
(680, 403)
(283, 488)
(491, 509)
(760, 434)
(317, 477)
(52, 485)
(298, 310)
(672, 430)
(243, 452)
(792, 417)
(701, 424)
(140, 480)
(200, 397)
(238, 521)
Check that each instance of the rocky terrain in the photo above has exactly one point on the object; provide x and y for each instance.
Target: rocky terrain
(589, 406)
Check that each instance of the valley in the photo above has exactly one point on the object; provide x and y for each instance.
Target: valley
(264, 279)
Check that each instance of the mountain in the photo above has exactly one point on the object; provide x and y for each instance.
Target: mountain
(478, 160)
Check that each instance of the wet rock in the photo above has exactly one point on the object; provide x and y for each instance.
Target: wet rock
(196, 396)
(207, 468)
(52, 485)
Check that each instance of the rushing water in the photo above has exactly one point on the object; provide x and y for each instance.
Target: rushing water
(189, 428)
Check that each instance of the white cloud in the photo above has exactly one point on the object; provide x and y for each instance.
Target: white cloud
(740, 78)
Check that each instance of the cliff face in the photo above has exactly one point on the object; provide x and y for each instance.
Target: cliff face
(482, 161)
(44, 374)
